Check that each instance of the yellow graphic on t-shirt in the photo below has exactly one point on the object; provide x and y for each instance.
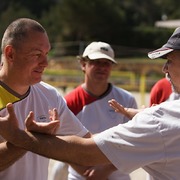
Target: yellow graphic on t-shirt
(6, 97)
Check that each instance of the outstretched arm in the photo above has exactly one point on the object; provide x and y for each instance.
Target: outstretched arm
(71, 149)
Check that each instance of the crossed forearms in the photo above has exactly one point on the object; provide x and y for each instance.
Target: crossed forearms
(70, 149)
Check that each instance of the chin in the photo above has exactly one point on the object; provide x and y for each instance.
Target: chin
(37, 81)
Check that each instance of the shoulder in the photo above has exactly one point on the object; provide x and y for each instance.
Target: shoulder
(46, 89)
(121, 91)
(162, 111)
(75, 94)
(44, 86)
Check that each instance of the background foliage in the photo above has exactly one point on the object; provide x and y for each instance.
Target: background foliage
(118, 22)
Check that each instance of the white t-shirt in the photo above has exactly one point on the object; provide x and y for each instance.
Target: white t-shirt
(151, 141)
(96, 115)
(40, 98)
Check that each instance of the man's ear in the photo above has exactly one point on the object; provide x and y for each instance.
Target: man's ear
(9, 52)
(83, 65)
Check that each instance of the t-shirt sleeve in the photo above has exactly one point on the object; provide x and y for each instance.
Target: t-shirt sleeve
(69, 124)
(132, 145)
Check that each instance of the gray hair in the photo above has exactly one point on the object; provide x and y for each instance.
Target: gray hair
(19, 30)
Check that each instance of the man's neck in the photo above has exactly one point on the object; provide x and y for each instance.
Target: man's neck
(15, 87)
(96, 90)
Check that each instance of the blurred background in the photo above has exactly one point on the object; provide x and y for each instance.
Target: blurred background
(132, 27)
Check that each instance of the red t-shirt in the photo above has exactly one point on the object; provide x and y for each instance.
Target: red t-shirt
(160, 92)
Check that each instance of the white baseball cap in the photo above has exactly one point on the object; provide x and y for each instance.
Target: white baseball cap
(99, 50)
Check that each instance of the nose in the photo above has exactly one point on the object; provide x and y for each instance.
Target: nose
(165, 68)
(44, 61)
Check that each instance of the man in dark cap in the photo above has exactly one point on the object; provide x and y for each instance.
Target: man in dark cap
(150, 140)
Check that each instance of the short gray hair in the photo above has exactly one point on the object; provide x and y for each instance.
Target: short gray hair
(18, 30)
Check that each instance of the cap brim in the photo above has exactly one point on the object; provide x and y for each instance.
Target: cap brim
(159, 53)
(101, 56)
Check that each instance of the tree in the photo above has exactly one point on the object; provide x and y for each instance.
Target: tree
(11, 13)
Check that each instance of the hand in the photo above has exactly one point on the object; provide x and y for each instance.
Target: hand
(43, 127)
(96, 173)
(128, 112)
(9, 123)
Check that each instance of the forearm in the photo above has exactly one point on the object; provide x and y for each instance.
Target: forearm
(9, 154)
(69, 149)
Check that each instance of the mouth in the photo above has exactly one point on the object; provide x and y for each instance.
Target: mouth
(40, 71)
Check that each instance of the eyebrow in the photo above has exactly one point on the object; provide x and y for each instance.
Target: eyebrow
(39, 50)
